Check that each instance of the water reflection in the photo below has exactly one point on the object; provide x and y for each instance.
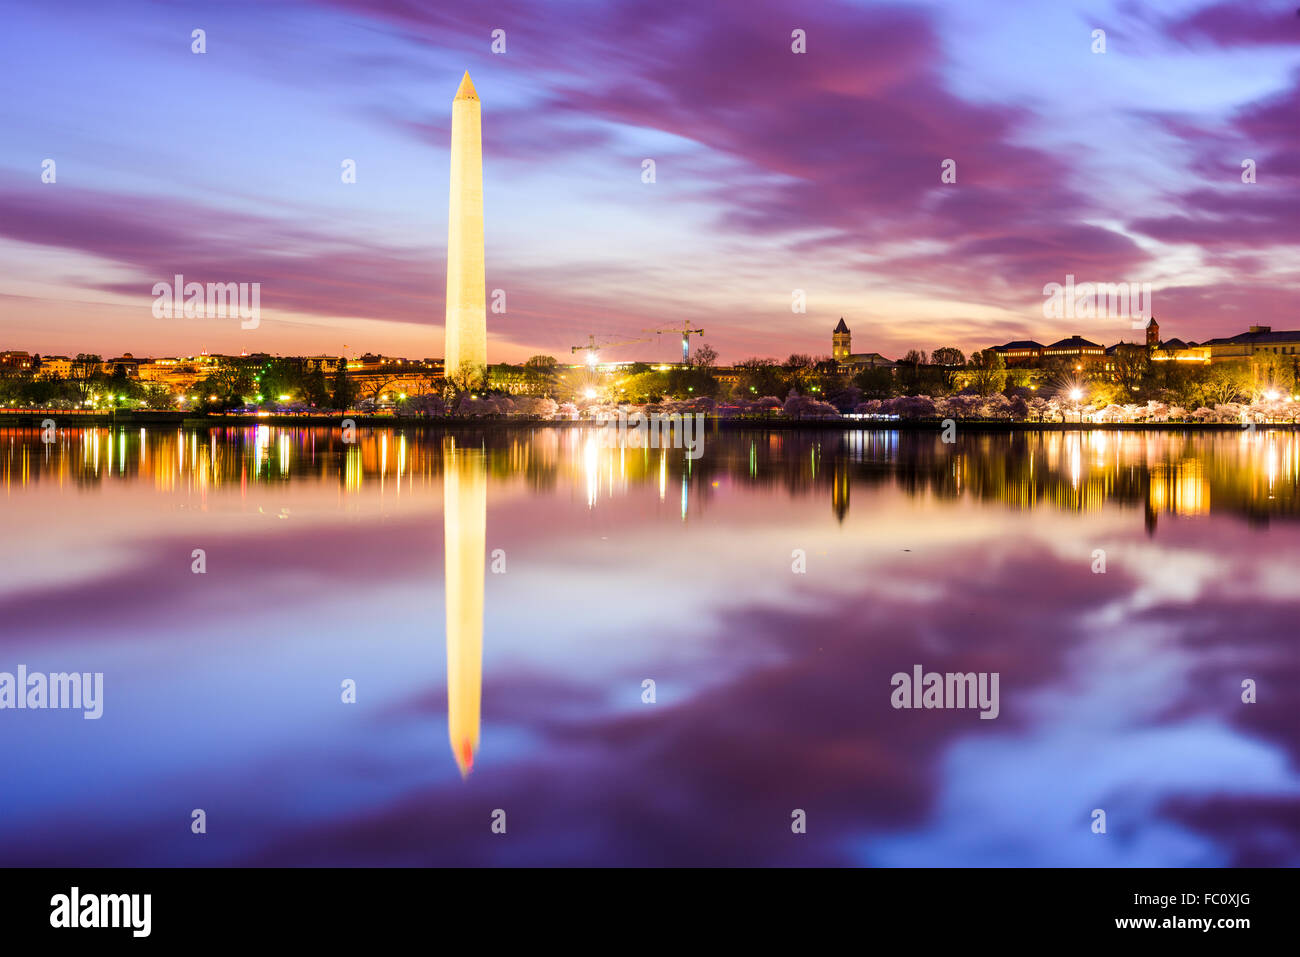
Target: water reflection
(1119, 690)
(1254, 474)
(465, 530)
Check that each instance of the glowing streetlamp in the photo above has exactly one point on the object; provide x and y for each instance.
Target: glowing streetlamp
(1075, 395)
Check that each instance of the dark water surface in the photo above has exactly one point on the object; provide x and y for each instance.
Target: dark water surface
(582, 570)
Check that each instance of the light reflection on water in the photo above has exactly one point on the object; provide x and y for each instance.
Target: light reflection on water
(330, 561)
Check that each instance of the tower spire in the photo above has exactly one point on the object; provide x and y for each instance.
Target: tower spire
(465, 356)
(466, 89)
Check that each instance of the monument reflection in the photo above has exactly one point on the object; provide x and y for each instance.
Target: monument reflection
(465, 529)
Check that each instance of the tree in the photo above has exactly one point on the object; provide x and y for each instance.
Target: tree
(539, 374)
(343, 391)
(1131, 364)
(988, 372)
(1225, 383)
(758, 377)
(374, 387)
(691, 383)
(1271, 373)
(909, 372)
(948, 356)
(467, 377)
(230, 380)
(875, 382)
(85, 370)
(706, 357)
(314, 389)
(645, 386)
(158, 397)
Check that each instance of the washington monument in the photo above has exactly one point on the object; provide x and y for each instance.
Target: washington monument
(464, 517)
(465, 357)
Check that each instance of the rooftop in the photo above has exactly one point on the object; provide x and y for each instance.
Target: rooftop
(1074, 342)
(1256, 334)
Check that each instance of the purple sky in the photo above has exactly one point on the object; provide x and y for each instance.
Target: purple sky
(775, 171)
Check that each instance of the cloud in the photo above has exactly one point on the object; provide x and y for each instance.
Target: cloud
(1232, 24)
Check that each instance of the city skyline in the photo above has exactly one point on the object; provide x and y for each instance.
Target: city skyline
(840, 349)
(1127, 167)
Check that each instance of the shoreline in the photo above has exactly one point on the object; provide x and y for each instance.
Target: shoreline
(65, 419)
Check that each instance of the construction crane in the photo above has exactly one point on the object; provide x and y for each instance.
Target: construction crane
(685, 332)
(592, 346)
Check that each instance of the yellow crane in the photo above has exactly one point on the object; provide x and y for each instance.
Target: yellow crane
(685, 332)
(593, 346)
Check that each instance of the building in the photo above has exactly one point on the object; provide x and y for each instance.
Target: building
(125, 364)
(1258, 340)
(55, 367)
(172, 372)
(1075, 350)
(841, 342)
(869, 360)
(843, 355)
(16, 361)
(1180, 351)
(326, 364)
(1020, 352)
(728, 376)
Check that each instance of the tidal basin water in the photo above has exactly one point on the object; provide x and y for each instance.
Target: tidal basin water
(500, 597)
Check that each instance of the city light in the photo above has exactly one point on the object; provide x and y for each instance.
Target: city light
(592, 358)
(1076, 394)
(590, 393)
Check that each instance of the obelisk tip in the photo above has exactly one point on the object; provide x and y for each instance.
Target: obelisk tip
(466, 90)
